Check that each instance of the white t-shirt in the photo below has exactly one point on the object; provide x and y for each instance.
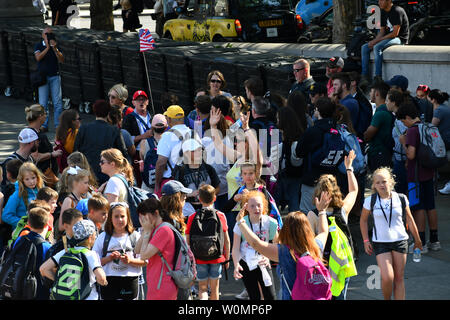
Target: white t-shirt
(396, 232)
(118, 269)
(116, 187)
(94, 263)
(265, 231)
(218, 161)
(169, 146)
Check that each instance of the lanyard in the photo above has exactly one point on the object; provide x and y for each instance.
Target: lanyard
(260, 227)
(390, 215)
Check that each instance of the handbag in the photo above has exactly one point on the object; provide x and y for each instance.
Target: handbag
(50, 178)
(37, 79)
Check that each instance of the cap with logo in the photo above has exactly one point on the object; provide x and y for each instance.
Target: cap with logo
(174, 112)
(139, 93)
(27, 135)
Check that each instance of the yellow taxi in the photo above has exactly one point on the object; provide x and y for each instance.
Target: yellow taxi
(236, 20)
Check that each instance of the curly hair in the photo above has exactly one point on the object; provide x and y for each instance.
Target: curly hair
(256, 194)
(328, 183)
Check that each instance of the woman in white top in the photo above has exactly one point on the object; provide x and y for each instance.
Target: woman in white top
(113, 164)
(115, 248)
(389, 238)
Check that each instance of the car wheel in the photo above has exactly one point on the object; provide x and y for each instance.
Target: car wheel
(218, 38)
(168, 35)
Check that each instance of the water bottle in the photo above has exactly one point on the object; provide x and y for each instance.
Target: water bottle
(417, 255)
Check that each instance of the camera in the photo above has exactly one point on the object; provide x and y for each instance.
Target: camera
(50, 36)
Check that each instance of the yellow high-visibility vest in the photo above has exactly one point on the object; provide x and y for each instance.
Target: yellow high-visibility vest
(341, 263)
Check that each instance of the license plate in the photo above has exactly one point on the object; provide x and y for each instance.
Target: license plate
(272, 32)
(270, 23)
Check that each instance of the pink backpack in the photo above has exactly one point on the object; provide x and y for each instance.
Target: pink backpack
(313, 280)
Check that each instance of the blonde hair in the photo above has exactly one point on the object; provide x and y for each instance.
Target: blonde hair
(79, 159)
(33, 112)
(71, 178)
(120, 89)
(328, 183)
(24, 168)
(114, 155)
(380, 172)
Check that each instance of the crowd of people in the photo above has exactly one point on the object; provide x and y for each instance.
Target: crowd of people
(258, 182)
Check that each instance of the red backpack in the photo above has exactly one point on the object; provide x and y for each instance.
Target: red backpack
(313, 280)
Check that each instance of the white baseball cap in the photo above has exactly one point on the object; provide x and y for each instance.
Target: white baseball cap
(190, 145)
(27, 135)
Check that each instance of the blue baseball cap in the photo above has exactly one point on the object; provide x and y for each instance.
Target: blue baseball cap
(398, 81)
(173, 186)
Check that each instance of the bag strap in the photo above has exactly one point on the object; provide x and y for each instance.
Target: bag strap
(373, 200)
(140, 120)
(106, 244)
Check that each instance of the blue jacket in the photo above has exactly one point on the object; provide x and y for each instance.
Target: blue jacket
(15, 208)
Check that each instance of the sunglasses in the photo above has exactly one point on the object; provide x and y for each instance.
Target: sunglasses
(423, 87)
(216, 81)
(112, 97)
(298, 70)
(103, 162)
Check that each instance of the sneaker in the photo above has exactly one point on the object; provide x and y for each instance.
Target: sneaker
(434, 246)
(424, 248)
(445, 189)
(242, 296)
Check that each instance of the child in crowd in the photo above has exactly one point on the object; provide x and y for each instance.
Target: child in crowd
(50, 196)
(250, 266)
(84, 236)
(29, 181)
(115, 248)
(208, 271)
(77, 185)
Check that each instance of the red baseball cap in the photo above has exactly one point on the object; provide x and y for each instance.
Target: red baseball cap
(139, 93)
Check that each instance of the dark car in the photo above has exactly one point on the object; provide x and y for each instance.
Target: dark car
(236, 20)
(320, 30)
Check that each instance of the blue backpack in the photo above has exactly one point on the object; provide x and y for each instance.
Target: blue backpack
(331, 154)
(351, 142)
(135, 196)
(148, 175)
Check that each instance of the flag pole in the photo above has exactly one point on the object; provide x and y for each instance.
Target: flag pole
(148, 82)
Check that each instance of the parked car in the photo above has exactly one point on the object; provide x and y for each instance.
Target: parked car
(236, 20)
(320, 30)
(309, 9)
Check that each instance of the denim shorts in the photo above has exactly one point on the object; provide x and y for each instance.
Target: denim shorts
(208, 271)
(383, 247)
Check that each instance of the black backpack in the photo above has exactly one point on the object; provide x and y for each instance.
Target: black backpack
(343, 226)
(19, 274)
(206, 235)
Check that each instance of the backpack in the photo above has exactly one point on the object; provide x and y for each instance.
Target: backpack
(431, 152)
(72, 278)
(184, 269)
(19, 274)
(135, 196)
(313, 281)
(373, 200)
(330, 155)
(352, 143)
(206, 235)
(148, 175)
(340, 222)
(294, 160)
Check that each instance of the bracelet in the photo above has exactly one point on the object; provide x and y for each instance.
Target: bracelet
(240, 221)
(367, 240)
(350, 169)
(322, 213)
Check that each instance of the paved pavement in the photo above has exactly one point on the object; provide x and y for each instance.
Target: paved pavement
(428, 280)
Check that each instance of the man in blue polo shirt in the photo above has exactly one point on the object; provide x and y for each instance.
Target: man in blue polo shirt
(48, 56)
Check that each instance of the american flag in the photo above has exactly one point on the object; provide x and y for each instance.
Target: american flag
(146, 40)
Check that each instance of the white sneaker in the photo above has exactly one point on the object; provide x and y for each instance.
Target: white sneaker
(242, 296)
(424, 248)
(434, 246)
(445, 189)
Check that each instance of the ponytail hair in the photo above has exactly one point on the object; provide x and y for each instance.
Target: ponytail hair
(438, 95)
(33, 112)
(74, 174)
(114, 155)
